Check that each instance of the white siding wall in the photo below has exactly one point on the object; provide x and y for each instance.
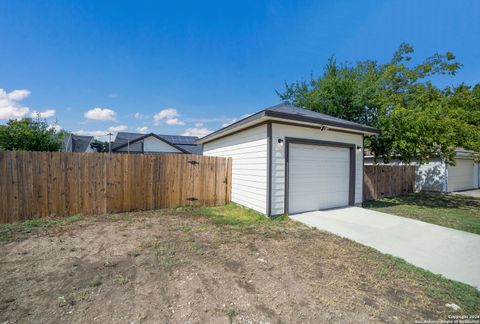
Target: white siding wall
(152, 144)
(90, 149)
(278, 158)
(248, 150)
(477, 175)
(134, 147)
(462, 175)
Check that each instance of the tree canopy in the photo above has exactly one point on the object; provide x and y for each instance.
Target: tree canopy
(29, 135)
(417, 119)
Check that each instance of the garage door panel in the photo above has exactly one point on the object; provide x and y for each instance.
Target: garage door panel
(461, 176)
(324, 172)
(318, 177)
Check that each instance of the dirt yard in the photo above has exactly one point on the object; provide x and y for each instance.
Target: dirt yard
(210, 266)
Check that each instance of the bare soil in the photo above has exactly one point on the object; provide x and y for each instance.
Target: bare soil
(170, 267)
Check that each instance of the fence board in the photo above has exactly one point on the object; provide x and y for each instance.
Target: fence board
(43, 184)
(387, 181)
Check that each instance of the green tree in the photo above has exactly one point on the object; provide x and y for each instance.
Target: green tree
(417, 120)
(100, 146)
(29, 135)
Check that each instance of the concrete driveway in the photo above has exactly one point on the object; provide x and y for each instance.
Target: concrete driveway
(451, 253)
(470, 193)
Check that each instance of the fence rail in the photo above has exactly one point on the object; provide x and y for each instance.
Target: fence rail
(43, 184)
(387, 181)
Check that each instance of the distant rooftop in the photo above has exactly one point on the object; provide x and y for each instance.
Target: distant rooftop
(76, 143)
(186, 143)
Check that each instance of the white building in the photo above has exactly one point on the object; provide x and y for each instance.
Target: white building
(289, 160)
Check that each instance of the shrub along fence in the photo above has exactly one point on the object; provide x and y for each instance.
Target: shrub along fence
(43, 184)
(381, 181)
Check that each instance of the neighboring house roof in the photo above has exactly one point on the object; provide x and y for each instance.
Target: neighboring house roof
(288, 112)
(77, 143)
(461, 152)
(185, 144)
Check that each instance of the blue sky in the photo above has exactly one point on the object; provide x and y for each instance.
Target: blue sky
(197, 65)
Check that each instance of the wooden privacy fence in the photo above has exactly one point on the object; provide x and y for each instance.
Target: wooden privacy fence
(381, 181)
(43, 184)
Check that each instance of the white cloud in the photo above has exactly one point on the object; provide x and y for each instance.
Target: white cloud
(138, 116)
(198, 125)
(119, 128)
(195, 131)
(101, 114)
(55, 126)
(234, 120)
(169, 115)
(10, 107)
(43, 114)
(98, 134)
(91, 133)
(174, 121)
(102, 134)
(165, 113)
(142, 130)
(18, 95)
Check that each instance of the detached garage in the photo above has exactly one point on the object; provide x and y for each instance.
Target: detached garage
(290, 160)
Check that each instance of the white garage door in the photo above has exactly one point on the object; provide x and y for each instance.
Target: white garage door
(318, 177)
(461, 176)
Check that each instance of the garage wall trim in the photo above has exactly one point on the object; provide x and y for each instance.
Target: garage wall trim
(294, 140)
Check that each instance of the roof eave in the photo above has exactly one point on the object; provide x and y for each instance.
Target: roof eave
(361, 128)
(259, 117)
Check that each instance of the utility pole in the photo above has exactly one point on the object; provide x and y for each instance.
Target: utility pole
(109, 143)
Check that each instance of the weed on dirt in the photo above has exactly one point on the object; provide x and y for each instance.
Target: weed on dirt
(20, 230)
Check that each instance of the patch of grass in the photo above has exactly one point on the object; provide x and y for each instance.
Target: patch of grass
(121, 280)
(234, 216)
(72, 219)
(454, 211)
(435, 285)
(164, 251)
(231, 313)
(82, 295)
(21, 229)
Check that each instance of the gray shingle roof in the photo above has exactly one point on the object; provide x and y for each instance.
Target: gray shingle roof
(290, 112)
(297, 111)
(193, 149)
(123, 137)
(179, 140)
